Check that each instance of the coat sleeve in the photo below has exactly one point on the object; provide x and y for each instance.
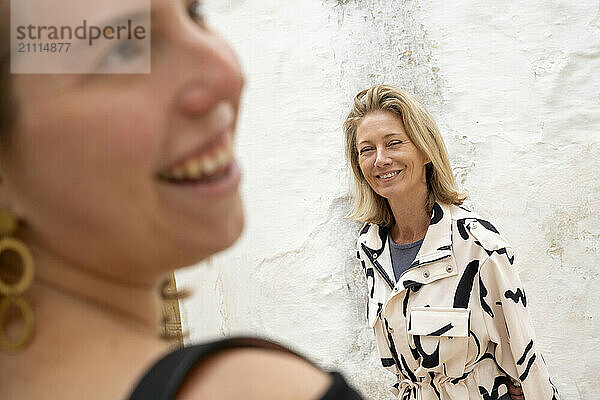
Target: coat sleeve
(509, 326)
(387, 359)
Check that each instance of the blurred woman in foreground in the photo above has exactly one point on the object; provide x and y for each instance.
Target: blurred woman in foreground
(108, 182)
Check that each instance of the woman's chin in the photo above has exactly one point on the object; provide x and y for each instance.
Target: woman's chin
(229, 234)
(223, 235)
(196, 237)
(387, 194)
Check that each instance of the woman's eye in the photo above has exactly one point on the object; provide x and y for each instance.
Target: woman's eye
(195, 11)
(365, 150)
(122, 52)
(395, 142)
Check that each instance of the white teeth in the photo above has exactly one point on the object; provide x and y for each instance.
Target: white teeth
(205, 165)
(389, 174)
(223, 156)
(192, 168)
(210, 165)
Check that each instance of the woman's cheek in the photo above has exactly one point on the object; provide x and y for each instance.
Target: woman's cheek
(362, 163)
(134, 139)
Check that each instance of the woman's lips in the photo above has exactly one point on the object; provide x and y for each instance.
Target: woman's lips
(388, 175)
(208, 165)
(210, 173)
(217, 186)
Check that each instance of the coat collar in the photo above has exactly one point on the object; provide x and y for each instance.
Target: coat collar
(437, 243)
(438, 239)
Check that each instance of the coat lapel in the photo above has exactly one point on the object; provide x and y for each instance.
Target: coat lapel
(437, 245)
(438, 239)
(375, 247)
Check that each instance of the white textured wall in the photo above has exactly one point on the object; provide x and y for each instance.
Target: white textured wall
(515, 88)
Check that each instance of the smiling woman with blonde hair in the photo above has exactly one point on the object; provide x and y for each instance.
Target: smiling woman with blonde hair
(423, 133)
(447, 308)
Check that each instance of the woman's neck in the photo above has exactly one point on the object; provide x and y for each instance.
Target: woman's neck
(80, 345)
(411, 217)
(136, 302)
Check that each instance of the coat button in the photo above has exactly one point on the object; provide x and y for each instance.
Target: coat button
(426, 274)
(449, 268)
(390, 329)
(474, 225)
(374, 255)
(396, 289)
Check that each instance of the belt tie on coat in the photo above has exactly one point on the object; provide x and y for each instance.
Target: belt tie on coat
(410, 390)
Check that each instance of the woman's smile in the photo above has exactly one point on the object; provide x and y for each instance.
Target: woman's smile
(205, 165)
(222, 181)
(388, 176)
(209, 171)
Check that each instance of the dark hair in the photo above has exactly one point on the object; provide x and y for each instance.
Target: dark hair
(7, 105)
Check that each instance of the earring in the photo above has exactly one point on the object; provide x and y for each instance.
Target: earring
(11, 292)
(171, 329)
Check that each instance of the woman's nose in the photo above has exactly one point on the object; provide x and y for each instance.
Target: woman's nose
(207, 69)
(382, 158)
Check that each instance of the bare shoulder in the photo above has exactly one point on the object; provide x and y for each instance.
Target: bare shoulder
(255, 374)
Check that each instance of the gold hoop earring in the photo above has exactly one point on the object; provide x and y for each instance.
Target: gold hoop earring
(171, 329)
(15, 346)
(11, 293)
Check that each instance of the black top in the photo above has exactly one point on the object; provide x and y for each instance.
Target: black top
(163, 379)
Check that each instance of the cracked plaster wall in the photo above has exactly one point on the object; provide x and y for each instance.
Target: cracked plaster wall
(515, 89)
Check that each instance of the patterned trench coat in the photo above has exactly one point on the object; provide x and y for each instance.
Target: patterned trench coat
(455, 326)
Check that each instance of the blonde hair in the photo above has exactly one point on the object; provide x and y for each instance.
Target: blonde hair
(368, 206)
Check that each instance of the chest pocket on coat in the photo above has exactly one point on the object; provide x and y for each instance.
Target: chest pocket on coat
(441, 338)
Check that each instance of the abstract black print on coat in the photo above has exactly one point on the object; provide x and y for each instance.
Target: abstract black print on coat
(449, 318)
